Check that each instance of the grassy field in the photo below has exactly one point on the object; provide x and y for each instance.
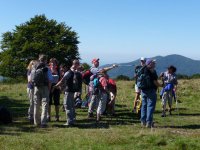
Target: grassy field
(179, 131)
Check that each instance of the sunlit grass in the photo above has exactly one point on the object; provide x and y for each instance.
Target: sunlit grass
(179, 131)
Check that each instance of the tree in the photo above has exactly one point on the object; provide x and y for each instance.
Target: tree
(36, 36)
(86, 66)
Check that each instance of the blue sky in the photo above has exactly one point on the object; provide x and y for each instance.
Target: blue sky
(117, 30)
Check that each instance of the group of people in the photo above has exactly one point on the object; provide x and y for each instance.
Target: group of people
(146, 86)
(47, 80)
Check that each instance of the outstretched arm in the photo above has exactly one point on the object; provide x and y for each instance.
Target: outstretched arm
(111, 67)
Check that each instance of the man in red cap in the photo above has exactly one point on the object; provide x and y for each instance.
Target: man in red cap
(94, 97)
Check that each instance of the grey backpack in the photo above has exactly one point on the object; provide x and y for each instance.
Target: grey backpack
(39, 75)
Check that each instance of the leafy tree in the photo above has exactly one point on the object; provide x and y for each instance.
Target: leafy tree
(86, 66)
(28, 40)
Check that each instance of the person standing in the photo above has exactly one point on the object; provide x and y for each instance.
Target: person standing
(42, 79)
(30, 91)
(137, 90)
(54, 95)
(148, 83)
(72, 84)
(95, 70)
(169, 79)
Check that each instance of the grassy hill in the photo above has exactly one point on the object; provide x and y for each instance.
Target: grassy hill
(184, 66)
(179, 131)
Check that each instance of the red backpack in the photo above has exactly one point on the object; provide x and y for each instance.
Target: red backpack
(86, 77)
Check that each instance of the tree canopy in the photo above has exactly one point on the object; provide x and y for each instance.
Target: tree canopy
(36, 36)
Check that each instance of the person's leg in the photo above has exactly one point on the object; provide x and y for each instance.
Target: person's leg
(92, 105)
(37, 103)
(30, 93)
(151, 104)
(137, 97)
(50, 103)
(69, 107)
(144, 109)
(45, 105)
(56, 98)
(170, 97)
(112, 96)
(164, 102)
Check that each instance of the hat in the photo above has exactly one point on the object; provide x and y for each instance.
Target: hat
(95, 60)
(172, 68)
(149, 61)
(142, 59)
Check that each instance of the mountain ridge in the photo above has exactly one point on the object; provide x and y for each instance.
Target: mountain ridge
(184, 65)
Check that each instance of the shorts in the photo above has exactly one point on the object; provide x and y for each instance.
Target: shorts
(137, 90)
(54, 96)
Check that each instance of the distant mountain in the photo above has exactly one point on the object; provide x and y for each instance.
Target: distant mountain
(184, 66)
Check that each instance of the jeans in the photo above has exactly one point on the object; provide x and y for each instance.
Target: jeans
(148, 106)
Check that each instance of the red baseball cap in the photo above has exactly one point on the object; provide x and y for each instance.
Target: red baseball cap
(95, 60)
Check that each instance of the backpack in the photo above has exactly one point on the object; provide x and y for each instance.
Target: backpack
(94, 84)
(77, 82)
(143, 78)
(73, 81)
(86, 77)
(39, 75)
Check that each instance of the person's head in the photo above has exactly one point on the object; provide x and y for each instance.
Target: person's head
(171, 69)
(142, 61)
(43, 58)
(31, 64)
(53, 63)
(150, 63)
(95, 62)
(75, 63)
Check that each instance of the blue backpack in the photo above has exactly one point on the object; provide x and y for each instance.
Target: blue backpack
(144, 79)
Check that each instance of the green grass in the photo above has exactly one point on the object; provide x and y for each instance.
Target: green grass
(179, 131)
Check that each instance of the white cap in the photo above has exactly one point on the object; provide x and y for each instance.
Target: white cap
(143, 59)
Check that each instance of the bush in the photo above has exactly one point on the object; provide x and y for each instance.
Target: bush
(123, 77)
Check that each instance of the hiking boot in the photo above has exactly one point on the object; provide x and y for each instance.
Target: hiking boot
(149, 125)
(90, 115)
(68, 124)
(163, 115)
(170, 112)
(143, 124)
(43, 126)
(134, 110)
(57, 119)
(48, 119)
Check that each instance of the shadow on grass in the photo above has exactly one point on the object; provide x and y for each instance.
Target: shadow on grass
(19, 110)
(16, 107)
(191, 127)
